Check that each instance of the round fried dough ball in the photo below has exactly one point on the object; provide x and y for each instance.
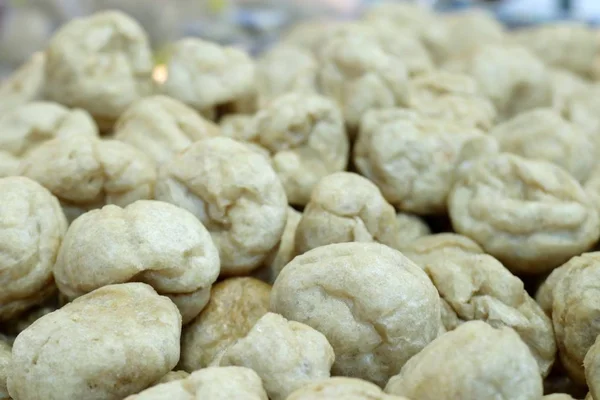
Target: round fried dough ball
(27, 126)
(234, 307)
(372, 335)
(360, 75)
(235, 193)
(207, 76)
(452, 97)
(591, 364)
(410, 157)
(478, 287)
(101, 63)
(306, 137)
(162, 127)
(285, 354)
(107, 344)
(573, 46)
(474, 361)
(5, 358)
(285, 252)
(24, 85)
(575, 310)
(345, 207)
(285, 68)
(411, 227)
(531, 215)
(341, 388)
(542, 134)
(32, 226)
(148, 241)
(85, 172)
(215, 383)
(510, 76)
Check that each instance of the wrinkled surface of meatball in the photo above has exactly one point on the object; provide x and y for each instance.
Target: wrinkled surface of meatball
(107, 344)
(306, 138)
(474, 361)
(477, 287)
(285, 68)
(173, 376)
(207, 76)
(209, 384)
(341, 388)
(542, 134)
(162, 127)
(510, 76)
(453, 97)
(234, 307)
(236, 195)
(531, 215)
(357, 72)
(25, 85)
(285, 354)
(372, 335)
(87, 173)
(410, 157)
(345, 207)
(101, 63)
(575, 307)
(32, 227)
(148, 241)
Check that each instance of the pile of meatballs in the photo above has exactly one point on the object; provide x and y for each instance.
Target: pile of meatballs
(399, 207)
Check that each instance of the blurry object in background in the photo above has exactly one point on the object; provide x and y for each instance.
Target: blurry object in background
(24, 31)
(587, 10)
(26, 84)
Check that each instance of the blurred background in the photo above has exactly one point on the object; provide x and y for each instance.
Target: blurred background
(26, 25)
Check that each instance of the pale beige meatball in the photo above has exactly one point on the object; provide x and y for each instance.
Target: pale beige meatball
(215, 383)
(542, 134)
(411, 227)
(32, 227)
(306, 138)
(101, 63)
(477, 287)
(285, 68)
(575, 307)
(346, 207)
(285, 354)
(5, 359)
(510, 76)
(234, 307)
(9, 165)
(531, 215)
(341, 388)
(236, 195)
(410, 157)
(372, 335)
(85, 172)
(452, 97)
(235, 126)
(468, 31)
(285, 252)
(592, 186)
(107, 344)
(582, 110)
(591, 364)
(474, 361)
(148, 241)
(25, 127)
(571, 45)
(208, 77)
(360, 75)
(162, 127)
(24, 85)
